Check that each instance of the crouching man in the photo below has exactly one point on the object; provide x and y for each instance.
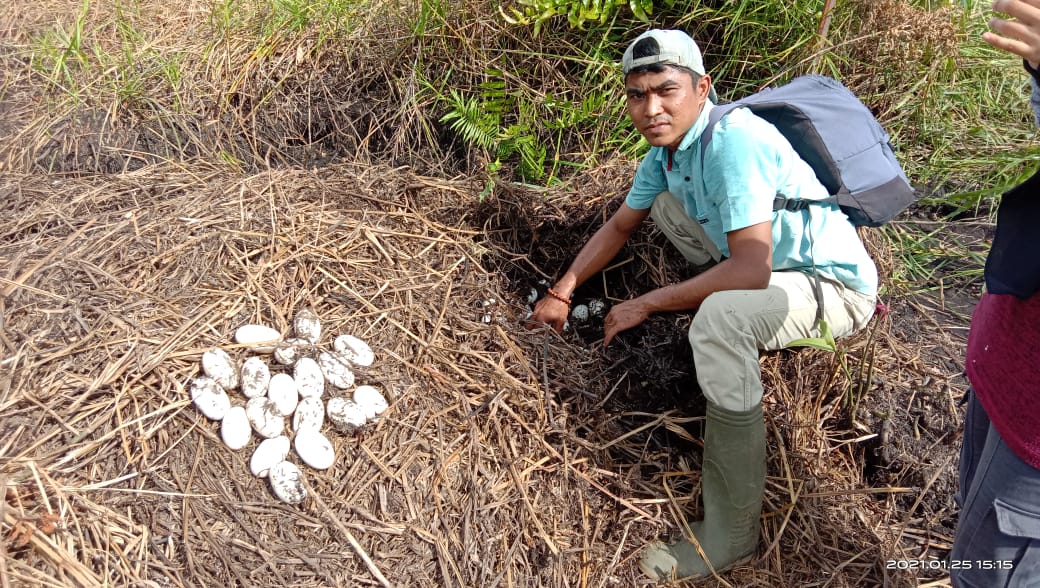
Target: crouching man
(758, 293)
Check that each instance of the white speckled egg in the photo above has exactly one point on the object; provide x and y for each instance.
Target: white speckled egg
(283, 394)
(354, 350)
(211, 400)
(258, 338)
(269, 452)
(235, 429)
(264, 417)
(217, 364)
(580, 313)
(310, 414)
(336, 369)
(346, 415)
(287, 482)
(314, 449)
(370, 400)
(310, 381)
(255, 377)
(307, 326)
(288, 351)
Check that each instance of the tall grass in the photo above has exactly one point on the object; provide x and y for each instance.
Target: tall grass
(969, 128)
(525, 91)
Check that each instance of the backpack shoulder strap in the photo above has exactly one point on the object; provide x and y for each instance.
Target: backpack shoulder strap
(795, 124)
(714, 116)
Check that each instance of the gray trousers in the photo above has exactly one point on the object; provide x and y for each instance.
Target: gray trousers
(998, 534)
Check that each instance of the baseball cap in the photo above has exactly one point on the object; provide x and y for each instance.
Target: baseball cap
(673, 47)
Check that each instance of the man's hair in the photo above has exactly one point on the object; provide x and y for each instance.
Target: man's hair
(648, 47)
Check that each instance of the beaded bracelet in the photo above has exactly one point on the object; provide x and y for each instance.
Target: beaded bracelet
(559, 297)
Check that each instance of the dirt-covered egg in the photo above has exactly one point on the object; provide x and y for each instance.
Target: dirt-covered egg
(211, 400)
(336, 369)
(258, 338)
(265, 418)
(314, 449)
(310, 381)
(217, 364)
(235, 429)
(370, 400)
(255, 377)
(310, 414)
(596, 307)
(287, 482)
(307, 326)
(346, 415)
(290, 350)
(354, 350)
(580, 313)
(267, 453)
(283, 394)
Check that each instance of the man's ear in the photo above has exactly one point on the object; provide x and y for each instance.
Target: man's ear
(704, 86)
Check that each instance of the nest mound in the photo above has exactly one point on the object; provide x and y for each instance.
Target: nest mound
(507, 457)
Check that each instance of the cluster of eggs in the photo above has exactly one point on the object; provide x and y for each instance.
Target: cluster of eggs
(583, 312)
(294, 392)
(580, 313)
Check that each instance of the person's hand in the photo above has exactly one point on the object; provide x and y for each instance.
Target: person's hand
(1020, 36)
(622, 317)
(549, 311)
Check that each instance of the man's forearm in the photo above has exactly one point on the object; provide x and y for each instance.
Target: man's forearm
(748, 268)
(689, 294)
(593, 257)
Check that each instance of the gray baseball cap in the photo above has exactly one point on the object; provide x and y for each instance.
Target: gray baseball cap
(674, 47)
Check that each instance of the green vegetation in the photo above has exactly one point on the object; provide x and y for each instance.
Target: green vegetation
(527, 91)
(931, 260)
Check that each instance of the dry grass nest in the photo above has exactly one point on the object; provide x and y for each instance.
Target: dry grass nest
(508, 457)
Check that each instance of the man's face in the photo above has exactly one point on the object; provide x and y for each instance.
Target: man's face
(664, 105)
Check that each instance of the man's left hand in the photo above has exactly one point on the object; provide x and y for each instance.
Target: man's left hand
(622, 317)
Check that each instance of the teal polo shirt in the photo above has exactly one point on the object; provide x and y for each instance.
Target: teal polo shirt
(747, 162)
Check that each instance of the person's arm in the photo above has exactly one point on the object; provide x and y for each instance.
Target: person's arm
(748, 267)
(593, 257)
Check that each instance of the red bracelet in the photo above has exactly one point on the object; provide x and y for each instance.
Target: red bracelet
(559, 297)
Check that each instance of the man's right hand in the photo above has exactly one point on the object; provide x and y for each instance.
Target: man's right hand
(600, 249)
(549, 311)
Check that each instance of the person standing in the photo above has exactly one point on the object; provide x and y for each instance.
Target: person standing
(997, 543)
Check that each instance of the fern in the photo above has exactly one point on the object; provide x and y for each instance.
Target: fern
(469, 118)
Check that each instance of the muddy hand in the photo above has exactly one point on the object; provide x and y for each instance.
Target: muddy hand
(549, 311)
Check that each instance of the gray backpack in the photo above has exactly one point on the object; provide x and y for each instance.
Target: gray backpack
(839, 138)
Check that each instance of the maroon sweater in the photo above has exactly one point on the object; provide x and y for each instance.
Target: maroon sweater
(1003, 365)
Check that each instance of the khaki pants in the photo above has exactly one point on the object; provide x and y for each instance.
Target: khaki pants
(731, 326)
